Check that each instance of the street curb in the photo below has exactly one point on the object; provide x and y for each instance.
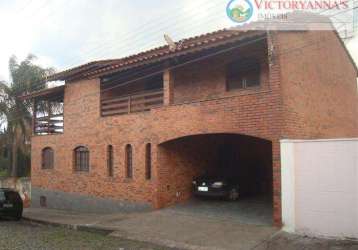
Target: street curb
(109, 232)
(83, 228)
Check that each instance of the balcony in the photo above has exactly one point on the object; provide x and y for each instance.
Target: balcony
(48, 116)
(48, 125)
(136, 102)
(121, 95)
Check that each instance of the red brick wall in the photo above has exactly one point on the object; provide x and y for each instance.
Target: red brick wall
(253, 112)
(319, 86)
(83, 126)
(310, 105)
(206, 80)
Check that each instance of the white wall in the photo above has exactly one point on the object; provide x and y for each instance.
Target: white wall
(22, 185)
(320, 187)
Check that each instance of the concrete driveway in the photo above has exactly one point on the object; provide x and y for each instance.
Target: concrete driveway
(174, 228)
(193, 225)
(254, 211)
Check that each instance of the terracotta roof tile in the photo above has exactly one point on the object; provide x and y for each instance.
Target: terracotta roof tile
(95, 68)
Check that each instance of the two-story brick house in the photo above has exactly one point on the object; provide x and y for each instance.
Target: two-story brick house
(137, 130)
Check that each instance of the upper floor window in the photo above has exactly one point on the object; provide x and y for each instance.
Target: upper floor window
(243, 74)
(129, 161)
(148, 161)
(47, 158)
(81, 159)
(110, 160)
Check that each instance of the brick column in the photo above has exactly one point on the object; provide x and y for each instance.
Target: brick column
(275, 86)
(276, 169)
(168, 87)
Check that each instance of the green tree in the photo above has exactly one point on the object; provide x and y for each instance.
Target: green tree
(15, 113)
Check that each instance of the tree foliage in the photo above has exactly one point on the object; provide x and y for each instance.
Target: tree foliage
(15, 113)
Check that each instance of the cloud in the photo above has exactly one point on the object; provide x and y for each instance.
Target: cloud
(65, 33)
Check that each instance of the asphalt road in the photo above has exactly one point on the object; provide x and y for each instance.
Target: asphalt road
(24, 235)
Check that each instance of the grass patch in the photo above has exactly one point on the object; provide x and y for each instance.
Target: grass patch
(3, 173)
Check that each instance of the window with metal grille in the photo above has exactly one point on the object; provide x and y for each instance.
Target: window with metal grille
(81, 159)
(47, 158)
(148, 161)
(110, 160)
(129, 161)
(243, 74)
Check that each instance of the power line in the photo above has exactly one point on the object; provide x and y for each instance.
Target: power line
(180, 65)
(145, 34)
(139, 34)
(306, 45)
(99, 49)
(195, 60)
(41, 84)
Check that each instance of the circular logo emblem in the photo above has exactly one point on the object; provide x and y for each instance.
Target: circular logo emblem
(240, 11)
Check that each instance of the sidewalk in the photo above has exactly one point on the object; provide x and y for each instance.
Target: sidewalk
(166, 227)
(75, 220)
(171, 227)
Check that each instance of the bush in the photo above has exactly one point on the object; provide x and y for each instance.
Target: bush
(4, 166)
(3, 173)
(24, 164)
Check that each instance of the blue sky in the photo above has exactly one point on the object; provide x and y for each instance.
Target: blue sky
(66, 33)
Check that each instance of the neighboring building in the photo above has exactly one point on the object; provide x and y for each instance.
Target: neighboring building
(136, 131)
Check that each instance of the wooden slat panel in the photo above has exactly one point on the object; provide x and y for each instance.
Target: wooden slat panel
(133, 96)
(142, 101)
(110, 111)
(145, 108)
(114, 112)
(45, 128)
(112, 106)
(135, 103)
(46, 122)
(147, 95)
(52, 127)
(45, 118)
(118, 99)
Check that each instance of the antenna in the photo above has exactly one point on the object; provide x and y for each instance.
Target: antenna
(170, 42)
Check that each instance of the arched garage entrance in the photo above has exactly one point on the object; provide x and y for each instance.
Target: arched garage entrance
(246, 159)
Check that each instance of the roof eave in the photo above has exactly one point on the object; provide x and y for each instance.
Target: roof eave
(44, 93)
(100, 68)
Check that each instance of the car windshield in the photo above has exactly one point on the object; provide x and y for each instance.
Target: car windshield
(2, 196)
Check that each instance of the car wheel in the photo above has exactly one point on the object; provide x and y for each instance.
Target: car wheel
(233, 194)
(18, 216)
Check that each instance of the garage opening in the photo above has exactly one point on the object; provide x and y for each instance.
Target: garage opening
(199, 174)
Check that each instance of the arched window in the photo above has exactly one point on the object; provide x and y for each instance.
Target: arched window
(110, 160)
(47, 158)
(129, 161)
(81, 159)
(148, 161)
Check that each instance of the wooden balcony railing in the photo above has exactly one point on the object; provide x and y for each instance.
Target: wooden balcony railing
(138, 102)
(48, 125)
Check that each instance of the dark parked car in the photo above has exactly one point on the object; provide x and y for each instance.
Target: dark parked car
(11, 204)
(221, 187)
